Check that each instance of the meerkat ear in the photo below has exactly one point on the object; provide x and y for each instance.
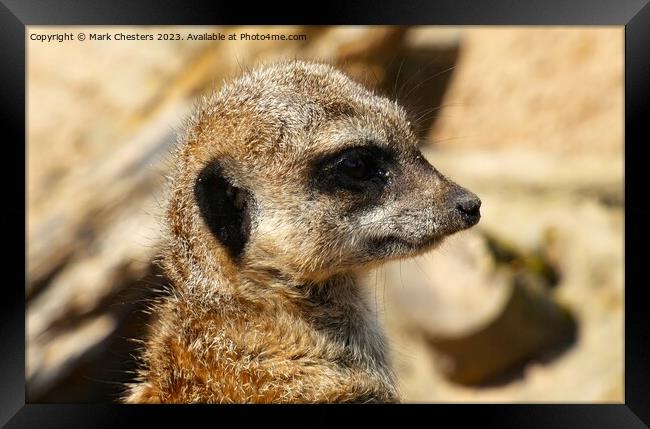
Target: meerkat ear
(224, 207)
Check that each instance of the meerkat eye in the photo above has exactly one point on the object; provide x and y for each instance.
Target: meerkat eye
(358, 166)
(363, 169)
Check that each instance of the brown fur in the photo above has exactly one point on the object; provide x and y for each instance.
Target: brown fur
(285, 321)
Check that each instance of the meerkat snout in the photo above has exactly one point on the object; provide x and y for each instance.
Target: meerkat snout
(289, 182)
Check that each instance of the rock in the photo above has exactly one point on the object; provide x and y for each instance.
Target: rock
(530, 324)
(450, 291)
(483, 313)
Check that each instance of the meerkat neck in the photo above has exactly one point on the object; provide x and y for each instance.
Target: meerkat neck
(338, 307)
(272, 285)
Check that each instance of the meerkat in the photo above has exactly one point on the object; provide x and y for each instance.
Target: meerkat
(290, 182)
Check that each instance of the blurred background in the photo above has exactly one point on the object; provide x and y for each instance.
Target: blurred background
(525, 307)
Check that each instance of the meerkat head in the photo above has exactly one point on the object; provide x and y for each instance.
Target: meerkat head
(296, 168)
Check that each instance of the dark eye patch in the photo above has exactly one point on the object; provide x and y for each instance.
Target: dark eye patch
(360, 169)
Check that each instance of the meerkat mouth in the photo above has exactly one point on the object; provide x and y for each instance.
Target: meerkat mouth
(396, 244)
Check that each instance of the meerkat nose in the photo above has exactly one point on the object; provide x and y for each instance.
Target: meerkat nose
(469, 206)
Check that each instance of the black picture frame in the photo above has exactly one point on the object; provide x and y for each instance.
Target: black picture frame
(16, 15)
